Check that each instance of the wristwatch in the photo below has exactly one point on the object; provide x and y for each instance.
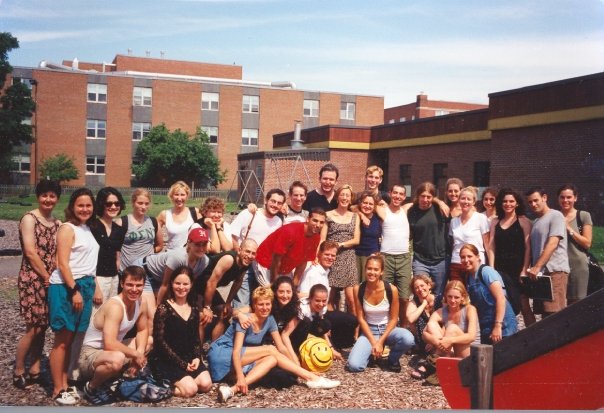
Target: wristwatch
(73, 289)
(571, 233)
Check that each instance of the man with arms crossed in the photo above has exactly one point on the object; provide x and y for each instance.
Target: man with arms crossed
(103, 353)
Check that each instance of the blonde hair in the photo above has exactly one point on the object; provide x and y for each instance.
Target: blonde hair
(422, 277)
(471, 190)
(140, 192)
(179, 185)
(374, 168)
(457, 285)
(262, 293)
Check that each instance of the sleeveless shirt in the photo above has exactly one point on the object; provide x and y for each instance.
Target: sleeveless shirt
(94, 336)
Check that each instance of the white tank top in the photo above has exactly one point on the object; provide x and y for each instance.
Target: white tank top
(395, 233)
(377, 314)
(177, 233)
(94, 336)
(83, 256)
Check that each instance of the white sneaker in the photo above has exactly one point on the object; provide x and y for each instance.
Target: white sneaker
(323, 383)
(65, 398)
(224, 393)
(75, 393)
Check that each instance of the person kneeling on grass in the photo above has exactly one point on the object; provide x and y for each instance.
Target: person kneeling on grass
(240, 352)
(103, 354)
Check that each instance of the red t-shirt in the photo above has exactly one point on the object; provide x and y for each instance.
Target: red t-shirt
(292, 244)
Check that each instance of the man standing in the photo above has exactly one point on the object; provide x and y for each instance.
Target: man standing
(395, 245)
(257, 226)
(323, 196)
(548, 248)
(103, 352)
(288, 250)
(295, 209)
(373, 179)
(225, 268)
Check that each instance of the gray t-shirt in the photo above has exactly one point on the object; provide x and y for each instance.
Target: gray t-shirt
(138, 242)
(552, 224)
(157, 263)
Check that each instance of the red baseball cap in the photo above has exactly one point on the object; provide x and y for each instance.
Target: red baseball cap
(198, 235)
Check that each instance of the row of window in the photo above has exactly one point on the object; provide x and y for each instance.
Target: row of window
(95, 165)
(96, 129)
(143, 96)
(482, 174)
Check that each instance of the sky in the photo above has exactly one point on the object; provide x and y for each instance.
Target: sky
(449, 50)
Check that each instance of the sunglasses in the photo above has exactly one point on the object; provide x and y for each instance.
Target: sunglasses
(109, 204)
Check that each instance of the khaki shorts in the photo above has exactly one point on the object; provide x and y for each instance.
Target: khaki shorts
(88, 356)
(559, 285)
(397, 271)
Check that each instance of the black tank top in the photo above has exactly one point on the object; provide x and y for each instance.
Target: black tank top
(509, 249)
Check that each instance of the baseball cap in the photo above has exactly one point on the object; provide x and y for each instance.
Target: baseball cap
(198, 235)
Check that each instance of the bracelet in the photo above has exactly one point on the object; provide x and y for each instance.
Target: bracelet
(72, 290)
(499, 322)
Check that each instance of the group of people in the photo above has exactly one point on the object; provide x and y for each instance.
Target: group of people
(363, 270)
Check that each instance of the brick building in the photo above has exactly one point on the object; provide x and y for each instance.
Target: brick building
(547, 134)
(426, 108)
(97, 112)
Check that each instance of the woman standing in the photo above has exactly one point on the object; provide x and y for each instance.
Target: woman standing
(343, 226)
(470, 227)
(177, 348)
(579, 241)
(485, 286)
(72, 287)
(371, 231)
(488, 203)
(509, 245)
(178, 219)
(378, 316)
(453, 188)
(454, 326)
(37, 234)
(240, 353)
(110, 236)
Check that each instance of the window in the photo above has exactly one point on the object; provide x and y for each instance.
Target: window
(251, 104)
(21, 164)
(95, 165)
(95, 129)
(482, 173)
(347, 110)
(209, 101)
(142, 96)
(97, 93)
(212, 132)
(402, 119)
(311, 108)
(404, 177)
(390, 121)
(441, 112)
(25, 80)
(140, 130)
(440, 174)
(249, 137)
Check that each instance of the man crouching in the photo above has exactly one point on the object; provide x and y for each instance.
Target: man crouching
(104, 354)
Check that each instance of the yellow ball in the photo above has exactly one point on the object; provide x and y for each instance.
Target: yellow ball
(315, 354)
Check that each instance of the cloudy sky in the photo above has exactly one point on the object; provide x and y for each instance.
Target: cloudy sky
(451, 50)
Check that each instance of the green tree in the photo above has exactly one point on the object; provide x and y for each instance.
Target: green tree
(16, 105)
(164, 157)
(60, 168)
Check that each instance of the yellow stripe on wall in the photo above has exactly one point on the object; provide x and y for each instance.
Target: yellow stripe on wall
(548, 118)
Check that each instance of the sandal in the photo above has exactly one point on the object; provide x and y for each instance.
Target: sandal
(34, 378)
(20, 381)
(419, 373)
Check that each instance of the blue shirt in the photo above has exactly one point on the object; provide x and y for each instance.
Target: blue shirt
(483, 300)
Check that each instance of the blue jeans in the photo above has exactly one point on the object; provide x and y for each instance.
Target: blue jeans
(399, 340)
(437, 272)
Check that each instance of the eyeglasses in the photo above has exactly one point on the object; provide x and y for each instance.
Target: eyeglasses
(109, 204)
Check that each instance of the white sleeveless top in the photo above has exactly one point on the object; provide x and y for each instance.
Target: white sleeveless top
(377, 314)
(177, 233)
(83, 257)
(94, 336)
(395, 233)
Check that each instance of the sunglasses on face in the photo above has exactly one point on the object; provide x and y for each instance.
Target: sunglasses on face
(109, 204)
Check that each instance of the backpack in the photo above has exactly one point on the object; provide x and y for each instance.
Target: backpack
(363, 285)
(142, 388)
(512, 292)
(125, 223)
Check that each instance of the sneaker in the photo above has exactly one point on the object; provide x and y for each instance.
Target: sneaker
(75, 393)
(98, 396)
(322, 383)
(65, 399)
(224, 393)
(394, 367)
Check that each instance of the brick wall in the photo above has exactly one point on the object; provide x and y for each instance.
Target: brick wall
(148, 64)
(177, 104)
(119, 155)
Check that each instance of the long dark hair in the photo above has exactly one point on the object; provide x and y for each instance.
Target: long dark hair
(520, 208)
(101, 198)
(286, 313)
(183, 269)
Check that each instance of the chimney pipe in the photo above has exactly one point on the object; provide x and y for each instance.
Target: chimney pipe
(297, 142)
